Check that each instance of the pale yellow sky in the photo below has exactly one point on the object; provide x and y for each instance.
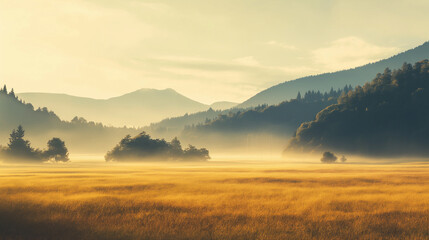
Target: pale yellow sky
(207, 50)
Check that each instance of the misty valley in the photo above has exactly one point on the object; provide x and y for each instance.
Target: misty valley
(386, 117)
(283, 151)
(212, 120)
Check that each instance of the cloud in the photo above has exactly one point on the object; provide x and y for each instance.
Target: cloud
(282, 45)
(89, 47)
(249, 61)
(350, 52)
(247, 66)
(239, 77)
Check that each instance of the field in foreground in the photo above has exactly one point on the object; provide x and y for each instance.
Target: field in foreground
(215, 201)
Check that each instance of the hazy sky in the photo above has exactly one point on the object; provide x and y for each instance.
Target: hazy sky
(208, 50)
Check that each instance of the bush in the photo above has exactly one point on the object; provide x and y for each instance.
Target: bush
(328, 157)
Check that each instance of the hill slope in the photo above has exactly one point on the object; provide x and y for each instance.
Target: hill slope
(137, 108)
(387, 117)
(40, 125)
(323, 82)
(223, 105)
(261, 128)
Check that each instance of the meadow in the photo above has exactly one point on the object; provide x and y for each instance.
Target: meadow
(215, 200)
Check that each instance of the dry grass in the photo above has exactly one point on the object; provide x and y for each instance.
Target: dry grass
(215, 201)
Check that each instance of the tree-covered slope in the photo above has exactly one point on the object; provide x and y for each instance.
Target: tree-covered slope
(323, 82)
(387, 117)
(171, 127)
(281, 119)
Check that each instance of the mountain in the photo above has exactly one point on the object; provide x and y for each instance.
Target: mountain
(258, 128)
(138, 108)
(386, 117)
(323, 82)
(282, 119)
(40, 124)
(261, 127)
(223, 105)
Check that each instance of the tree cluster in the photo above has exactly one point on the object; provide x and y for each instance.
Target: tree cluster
(386, 117)
(143, 148)
(329, 157)
(20, 149)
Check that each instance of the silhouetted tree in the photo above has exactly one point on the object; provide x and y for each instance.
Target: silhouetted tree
(176, 148)
(192, 153)
(12, 93)
(343, 159)
(57, 150)
(20, 148)
(328, 157)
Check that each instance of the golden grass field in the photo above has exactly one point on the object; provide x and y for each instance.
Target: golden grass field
(216, 200)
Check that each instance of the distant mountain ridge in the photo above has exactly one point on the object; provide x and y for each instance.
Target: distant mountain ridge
(41, 124)
(138, 108)
(323, 82)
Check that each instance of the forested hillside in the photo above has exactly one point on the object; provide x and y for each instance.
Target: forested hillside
(171, 127)
(386, 117)
(254, 125)
(277, 119)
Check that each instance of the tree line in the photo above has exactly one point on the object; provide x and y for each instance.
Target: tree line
(139, 148)
(282, 119)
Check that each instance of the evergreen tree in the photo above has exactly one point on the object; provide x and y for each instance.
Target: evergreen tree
(12, 93)
(299, 96)
(18, 146)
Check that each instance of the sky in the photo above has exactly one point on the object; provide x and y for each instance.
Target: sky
(212, 50)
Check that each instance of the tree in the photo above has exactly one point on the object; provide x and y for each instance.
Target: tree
(193, 153)
(57, 150)
(12, 93)
(343, 159)
(328, 157)
(299, 96)
(18, 147)
(176, 148)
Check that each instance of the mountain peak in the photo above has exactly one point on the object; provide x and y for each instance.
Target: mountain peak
(148, 90)
(137, 108)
